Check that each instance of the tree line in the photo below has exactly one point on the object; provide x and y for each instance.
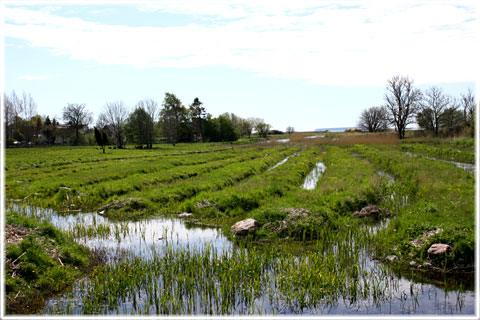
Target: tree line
(434, 111)
(146, 124)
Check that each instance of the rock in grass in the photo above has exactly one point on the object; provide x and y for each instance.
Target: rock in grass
(420, 241)
(438, 248)
(296, 212)
(244, 227)
(370, 211)
(204, 204)
(184, 215)
(392, 258)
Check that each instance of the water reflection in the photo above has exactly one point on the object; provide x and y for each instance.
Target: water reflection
(132, 238)
(470, 168)
(278, 164)
(312, 178)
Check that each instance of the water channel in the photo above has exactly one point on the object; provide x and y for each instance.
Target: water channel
(470, 168)
(312, 178)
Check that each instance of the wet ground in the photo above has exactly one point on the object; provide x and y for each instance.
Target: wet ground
(144, 237)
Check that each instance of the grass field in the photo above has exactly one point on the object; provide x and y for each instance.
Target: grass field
(221, 184)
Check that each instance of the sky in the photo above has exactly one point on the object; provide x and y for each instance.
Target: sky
(303, 63)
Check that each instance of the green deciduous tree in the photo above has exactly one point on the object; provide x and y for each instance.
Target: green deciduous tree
(140, 127)
(173, 118)
(198, 117)
(262, 127)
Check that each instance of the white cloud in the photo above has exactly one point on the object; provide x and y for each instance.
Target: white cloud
(364, 44)
(37, 77)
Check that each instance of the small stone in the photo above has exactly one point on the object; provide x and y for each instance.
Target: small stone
(392, 258)
(438, 248)
(427, 265)
(244, 227)
(423, 239)
(64, 188)
(184, 215)
(369, 211)
(20, 181)
(413, 263)
(204, 204)
(294, 213)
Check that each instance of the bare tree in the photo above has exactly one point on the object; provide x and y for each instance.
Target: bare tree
(433, 106)
(152, 109)
(290, 130)
(10, 114)
(15, 108)
(114, 116)
(402, 103)
(28, 106)
(468, 104)
(373, 119)
(151, 106)
(77, 117)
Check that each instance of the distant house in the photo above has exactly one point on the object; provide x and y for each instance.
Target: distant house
(62, 134)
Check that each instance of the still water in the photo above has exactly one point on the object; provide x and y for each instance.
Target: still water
(143, 238)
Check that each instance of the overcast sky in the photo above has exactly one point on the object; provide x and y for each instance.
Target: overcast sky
(306, 64)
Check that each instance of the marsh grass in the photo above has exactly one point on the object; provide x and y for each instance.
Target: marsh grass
(439, 196)
(319, 261)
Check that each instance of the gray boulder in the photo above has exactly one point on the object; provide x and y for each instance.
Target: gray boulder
(392, 258)
(244, 227)
(438, 248)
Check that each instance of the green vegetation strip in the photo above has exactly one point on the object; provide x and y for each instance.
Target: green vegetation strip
(441, 151)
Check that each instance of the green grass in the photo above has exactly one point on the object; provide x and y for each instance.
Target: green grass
(239, 182)
(44, 263)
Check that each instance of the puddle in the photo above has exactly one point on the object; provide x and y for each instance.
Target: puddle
(312, 178)
(386, 176)
(470, 168)
(133, 238)
(314, 137)
(280, 163)
(282, 140)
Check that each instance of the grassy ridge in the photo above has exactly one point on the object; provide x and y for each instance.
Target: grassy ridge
(440, 195)
(157, 180)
